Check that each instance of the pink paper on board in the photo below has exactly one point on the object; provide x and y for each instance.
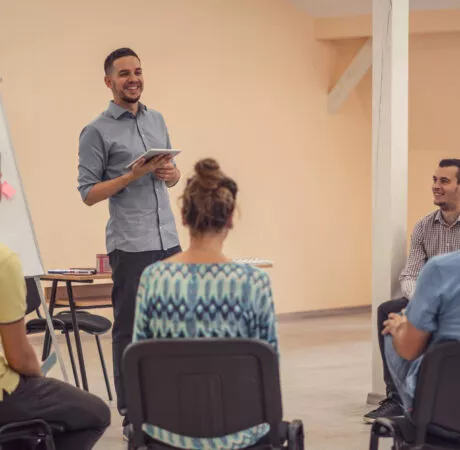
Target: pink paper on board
(8, 191)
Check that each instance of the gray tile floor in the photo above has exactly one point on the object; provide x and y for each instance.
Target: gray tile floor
(326, 376)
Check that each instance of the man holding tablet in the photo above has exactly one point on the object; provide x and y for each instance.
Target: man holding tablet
(141, 228)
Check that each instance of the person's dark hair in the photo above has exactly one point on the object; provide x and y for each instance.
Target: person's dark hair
(209, 198)
(117, 54)
(451, 163)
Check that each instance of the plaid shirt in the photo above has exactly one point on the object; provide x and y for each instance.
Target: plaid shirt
(431, 236)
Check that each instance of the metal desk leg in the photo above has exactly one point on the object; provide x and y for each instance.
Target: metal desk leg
(50, 330)
(46, 341)
(76, 331)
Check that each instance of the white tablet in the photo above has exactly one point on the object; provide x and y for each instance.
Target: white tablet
(149, 154)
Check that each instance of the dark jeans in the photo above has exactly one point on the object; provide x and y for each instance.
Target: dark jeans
(392, 306)
(127, 269)
(83, 415)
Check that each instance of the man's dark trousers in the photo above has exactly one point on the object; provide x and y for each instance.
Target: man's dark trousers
(127, 268)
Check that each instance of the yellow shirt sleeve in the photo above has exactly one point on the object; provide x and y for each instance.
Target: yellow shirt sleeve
(12, 290)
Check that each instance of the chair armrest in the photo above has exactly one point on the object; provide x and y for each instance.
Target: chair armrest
(15, 430)
(57, 428)
(385, 427)
(398, 428)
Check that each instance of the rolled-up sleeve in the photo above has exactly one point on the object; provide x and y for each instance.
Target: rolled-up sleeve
(91, 160)
(416, 260)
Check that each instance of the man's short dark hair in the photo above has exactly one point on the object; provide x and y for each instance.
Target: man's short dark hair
(452, 163)
(117, 54)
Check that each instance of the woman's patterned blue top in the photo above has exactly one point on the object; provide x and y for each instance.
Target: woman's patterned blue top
(227, 300)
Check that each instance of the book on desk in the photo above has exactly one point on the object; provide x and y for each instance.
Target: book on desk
(73, 271)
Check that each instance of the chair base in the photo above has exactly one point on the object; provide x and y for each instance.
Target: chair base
(32, 433)
(401, 430)
(293, 439)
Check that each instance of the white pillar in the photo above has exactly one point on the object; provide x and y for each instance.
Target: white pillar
(390, 159)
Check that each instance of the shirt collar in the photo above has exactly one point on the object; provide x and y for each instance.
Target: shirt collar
(117, 111)
(439, 218)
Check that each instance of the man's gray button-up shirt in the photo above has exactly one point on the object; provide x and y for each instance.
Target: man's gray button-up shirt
(140, 214)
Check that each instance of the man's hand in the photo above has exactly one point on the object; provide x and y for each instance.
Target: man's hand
(106, 189)
(408, 341)
(141, 168)
(392, 324)
(166, 173)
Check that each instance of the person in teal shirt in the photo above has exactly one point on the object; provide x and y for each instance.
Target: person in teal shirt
(200, 293)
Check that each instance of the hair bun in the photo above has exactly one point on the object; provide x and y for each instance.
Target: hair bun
(209, 198)
(208, 173)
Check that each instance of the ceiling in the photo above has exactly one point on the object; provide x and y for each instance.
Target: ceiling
(337, 8)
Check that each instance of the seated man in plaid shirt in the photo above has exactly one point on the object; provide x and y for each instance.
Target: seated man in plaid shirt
(435, 234)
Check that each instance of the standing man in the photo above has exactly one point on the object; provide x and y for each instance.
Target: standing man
(141, 228)
(435, 234)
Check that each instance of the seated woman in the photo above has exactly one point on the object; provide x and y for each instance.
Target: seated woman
(211, 296)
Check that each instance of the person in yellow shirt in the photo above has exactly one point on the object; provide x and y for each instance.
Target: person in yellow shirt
(24, 393)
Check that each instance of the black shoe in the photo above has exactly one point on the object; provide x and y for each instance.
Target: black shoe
(125, 419)
(388, 408)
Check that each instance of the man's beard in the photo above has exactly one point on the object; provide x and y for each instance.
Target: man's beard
(443, 206)
(130, 99)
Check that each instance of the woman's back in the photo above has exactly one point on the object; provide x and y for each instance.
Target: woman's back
(200, 293)
(226, 300)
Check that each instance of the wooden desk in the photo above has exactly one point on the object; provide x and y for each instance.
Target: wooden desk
(68, 280)
(76, 278)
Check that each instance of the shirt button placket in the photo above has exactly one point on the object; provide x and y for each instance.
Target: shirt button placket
(139, 128)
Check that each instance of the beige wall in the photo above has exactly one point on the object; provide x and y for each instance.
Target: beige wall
(434, 90)
(360, 26)
(434, 116)
(241, 80)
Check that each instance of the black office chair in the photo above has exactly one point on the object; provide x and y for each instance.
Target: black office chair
(435, 420)
(89, 323)
(39, 325)
(31, 434)
(205, 388)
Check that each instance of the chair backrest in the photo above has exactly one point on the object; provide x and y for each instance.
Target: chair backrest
(33, 296)
(437, 395)
(202, 387)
